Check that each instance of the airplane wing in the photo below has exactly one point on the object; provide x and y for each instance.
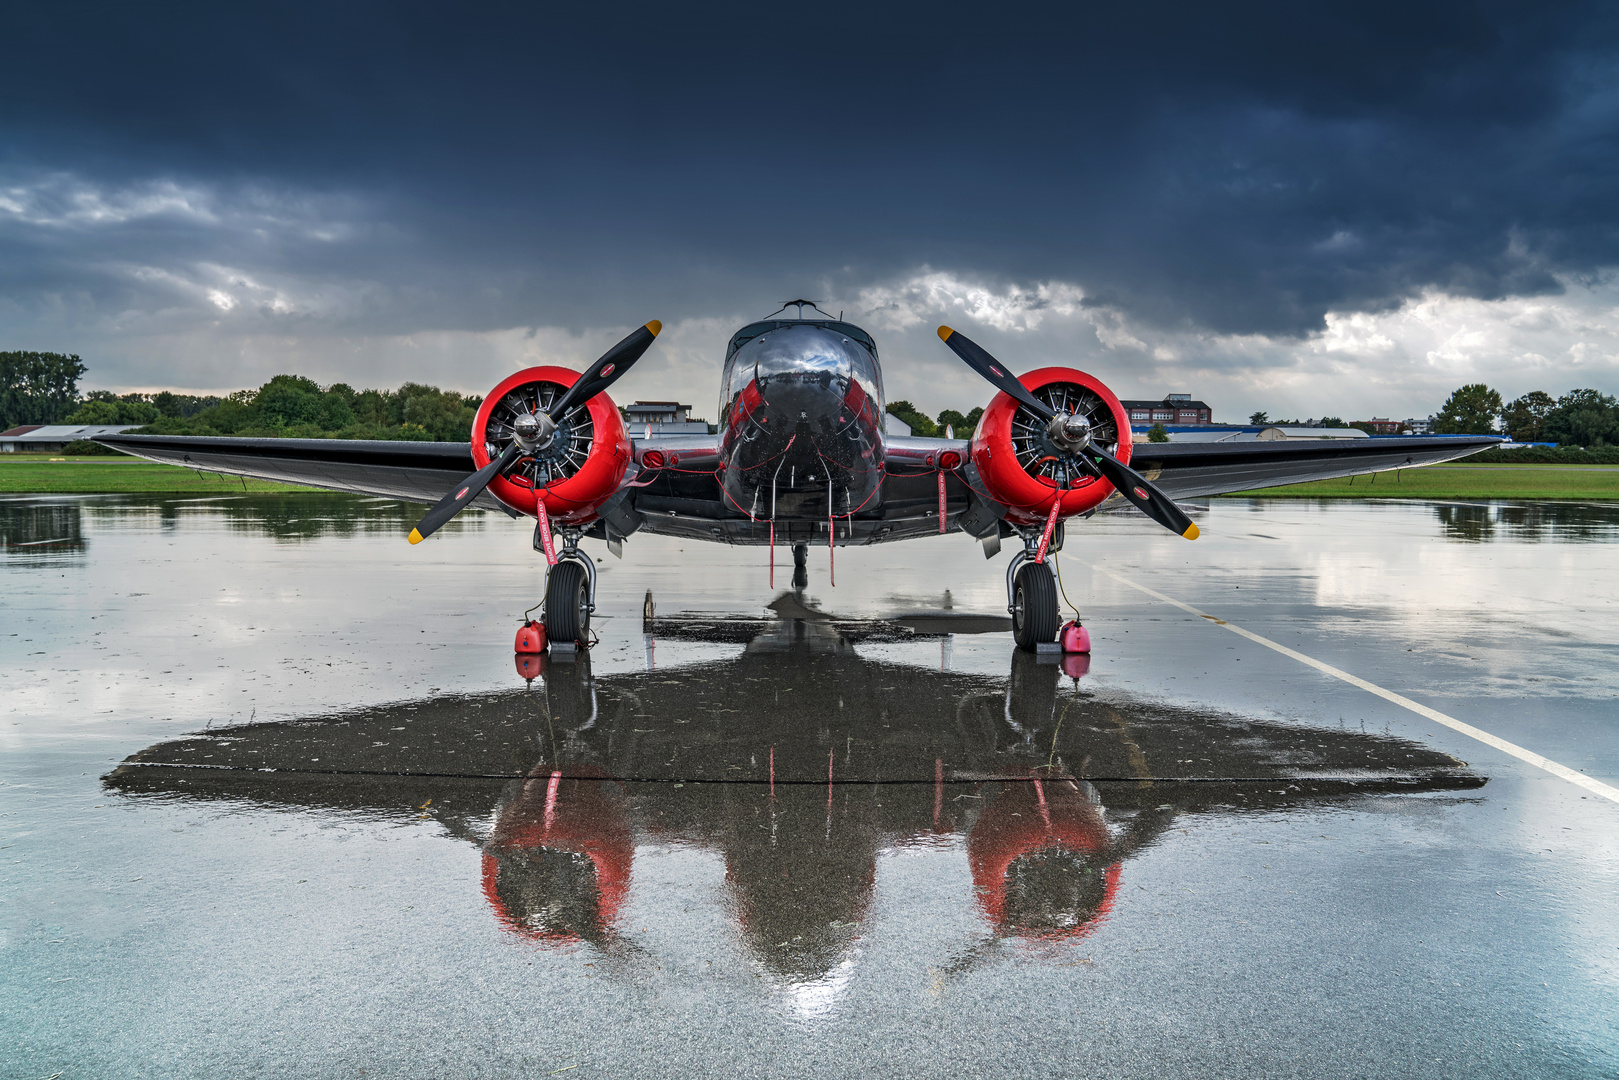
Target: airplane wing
(1180, 470)
(414, 471)
(1188, 470)
(672, 491)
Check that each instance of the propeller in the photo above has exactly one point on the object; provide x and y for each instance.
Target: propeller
(1073, 434)
(536, 430)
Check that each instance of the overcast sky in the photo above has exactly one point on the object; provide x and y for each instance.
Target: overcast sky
(1318, 208)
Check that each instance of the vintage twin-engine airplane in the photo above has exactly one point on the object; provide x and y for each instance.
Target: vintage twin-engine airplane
(801, 457)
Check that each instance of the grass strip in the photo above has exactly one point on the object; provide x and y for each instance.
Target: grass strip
(1461, 482)
(30, 474)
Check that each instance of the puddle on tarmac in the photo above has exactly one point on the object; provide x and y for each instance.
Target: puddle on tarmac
(796, 762)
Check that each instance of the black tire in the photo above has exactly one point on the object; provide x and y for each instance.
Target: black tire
(567, 603)
(1035, 615)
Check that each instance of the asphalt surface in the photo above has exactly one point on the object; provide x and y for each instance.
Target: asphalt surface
(276, 801)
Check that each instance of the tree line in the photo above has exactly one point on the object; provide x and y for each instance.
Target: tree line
(293, 406)
(42, 388)
(1587, 418)
(1583, 417)
(962, 424)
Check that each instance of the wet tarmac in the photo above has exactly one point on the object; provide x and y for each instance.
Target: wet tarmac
(277, 801)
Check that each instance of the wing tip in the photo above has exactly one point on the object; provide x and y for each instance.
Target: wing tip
(415, 536)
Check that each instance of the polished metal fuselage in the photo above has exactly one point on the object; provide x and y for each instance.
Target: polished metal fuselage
(801, 426)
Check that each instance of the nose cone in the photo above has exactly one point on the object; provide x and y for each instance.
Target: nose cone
(1076, 430)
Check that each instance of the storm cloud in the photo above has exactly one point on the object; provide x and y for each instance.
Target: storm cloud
(196, 195)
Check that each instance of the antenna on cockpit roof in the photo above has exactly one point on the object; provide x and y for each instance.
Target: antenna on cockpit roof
(801, 305)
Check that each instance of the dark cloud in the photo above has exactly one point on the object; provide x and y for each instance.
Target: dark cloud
(1239, 168)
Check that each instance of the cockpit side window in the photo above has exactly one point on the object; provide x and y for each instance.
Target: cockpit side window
(737, 388)
(864, 360)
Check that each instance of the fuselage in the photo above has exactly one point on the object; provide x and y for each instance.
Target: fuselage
(801, 421)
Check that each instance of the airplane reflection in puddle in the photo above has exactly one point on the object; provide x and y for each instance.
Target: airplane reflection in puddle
(798, 762)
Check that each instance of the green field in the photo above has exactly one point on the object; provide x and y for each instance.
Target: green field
(36, 474)
(1464, 482)
(40, 475)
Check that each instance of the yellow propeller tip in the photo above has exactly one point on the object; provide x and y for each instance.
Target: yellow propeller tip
(655, 326)
(1191, 532)
(944, 333)
(415, 536)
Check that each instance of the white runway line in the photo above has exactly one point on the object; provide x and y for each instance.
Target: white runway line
(1595, 787)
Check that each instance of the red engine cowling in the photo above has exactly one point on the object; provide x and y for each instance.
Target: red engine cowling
(1013, 456)
(581, 469)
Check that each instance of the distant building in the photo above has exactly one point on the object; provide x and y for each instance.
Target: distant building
(1420, 427)
(662, 418)
(1174, 409)
(658, 412)
(1383, 426)
(53, 438)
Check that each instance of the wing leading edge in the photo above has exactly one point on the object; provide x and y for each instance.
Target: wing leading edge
(1189, 470)
(414, 471)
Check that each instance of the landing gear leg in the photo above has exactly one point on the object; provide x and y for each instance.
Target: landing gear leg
(800, 566)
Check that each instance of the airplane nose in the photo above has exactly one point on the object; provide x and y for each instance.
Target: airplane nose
(805, 401)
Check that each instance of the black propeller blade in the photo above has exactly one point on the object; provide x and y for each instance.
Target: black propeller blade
(991, 369)
(606, 370)
(1129, 483)
(456, 501)
(1148, 499)
(598, 377)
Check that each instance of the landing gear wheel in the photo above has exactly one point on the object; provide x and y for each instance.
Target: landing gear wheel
(567, 603)
(1035, 616)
